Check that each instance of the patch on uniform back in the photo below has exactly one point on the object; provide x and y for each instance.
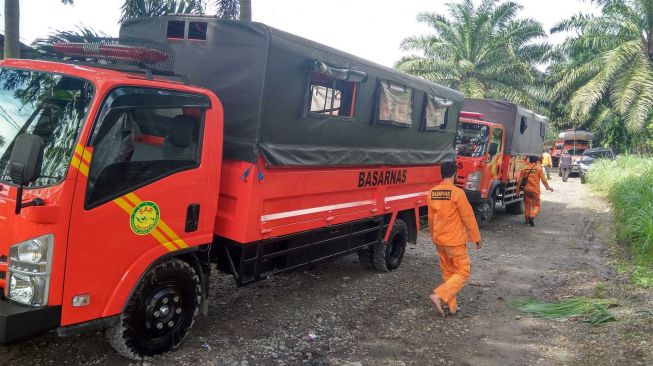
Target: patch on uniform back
(441, 194)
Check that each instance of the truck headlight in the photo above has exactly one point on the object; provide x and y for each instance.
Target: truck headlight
(30, 264)
(474, 181)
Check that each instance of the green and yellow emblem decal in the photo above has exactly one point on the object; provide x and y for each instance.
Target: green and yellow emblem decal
(144, 218)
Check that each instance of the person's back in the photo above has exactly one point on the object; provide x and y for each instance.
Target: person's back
(533, 175)
(448, 227)
(453, 225)
(546, 159)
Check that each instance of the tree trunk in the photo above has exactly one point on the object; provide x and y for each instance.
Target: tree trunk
(246, 10)
(12, 29)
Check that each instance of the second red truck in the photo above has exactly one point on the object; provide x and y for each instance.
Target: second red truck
(493, 143)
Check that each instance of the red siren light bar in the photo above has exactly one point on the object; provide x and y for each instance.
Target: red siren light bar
(117, 52)
(475, 115)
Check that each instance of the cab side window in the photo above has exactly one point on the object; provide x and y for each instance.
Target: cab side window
(143, 135)
(497, 137)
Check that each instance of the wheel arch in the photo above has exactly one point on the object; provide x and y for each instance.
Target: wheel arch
(196, 257)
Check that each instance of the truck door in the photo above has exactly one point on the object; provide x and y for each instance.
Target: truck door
(144, 194)
(497, 160)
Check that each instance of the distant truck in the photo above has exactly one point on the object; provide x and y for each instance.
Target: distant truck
(575, 142)
(493, 143)
(556, 152)
(123, 187)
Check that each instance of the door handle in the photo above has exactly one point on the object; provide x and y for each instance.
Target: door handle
(192, 217)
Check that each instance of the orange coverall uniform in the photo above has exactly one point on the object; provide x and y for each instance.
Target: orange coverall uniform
(532, 189)
(453, 225)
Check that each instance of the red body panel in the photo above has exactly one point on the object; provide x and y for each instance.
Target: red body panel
(292, 200)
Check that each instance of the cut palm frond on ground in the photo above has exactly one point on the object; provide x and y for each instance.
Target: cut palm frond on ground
(593, 311)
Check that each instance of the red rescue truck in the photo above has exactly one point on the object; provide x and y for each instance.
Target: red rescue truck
(493, 143)
(122, 186)
(575, 142)
(556, 152)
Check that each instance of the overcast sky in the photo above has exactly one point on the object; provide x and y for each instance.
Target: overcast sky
(372, 29)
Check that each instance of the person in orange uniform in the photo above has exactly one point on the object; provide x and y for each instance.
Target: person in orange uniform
(533, 174)
(452, 224)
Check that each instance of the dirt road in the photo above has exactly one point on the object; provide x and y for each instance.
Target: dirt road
(362, 317)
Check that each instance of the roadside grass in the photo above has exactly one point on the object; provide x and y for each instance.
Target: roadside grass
(592, 311)
(627, 182)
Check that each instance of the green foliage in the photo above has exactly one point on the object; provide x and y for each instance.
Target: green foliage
(151, 8)
(484, 51)
(628, 184)
(642, 277)
(603, 76)
(593, 311)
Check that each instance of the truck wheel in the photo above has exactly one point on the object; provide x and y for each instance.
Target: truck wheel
(160, 312)
(515, 208)
(365, 257)
(387, 256)
(484, 211)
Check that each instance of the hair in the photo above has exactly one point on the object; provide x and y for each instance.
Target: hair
(448, 169)
(533, 159)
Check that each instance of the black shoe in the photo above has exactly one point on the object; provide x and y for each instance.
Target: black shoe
(531, 221)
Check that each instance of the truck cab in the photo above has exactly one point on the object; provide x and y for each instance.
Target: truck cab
(102, 172)
(556, 152)
(479, 157)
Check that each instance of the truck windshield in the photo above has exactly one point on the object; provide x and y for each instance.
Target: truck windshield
(472, 139)
(52, 106)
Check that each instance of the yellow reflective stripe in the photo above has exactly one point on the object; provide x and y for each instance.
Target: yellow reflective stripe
(162, 224)
(128, 208)
(124, 205)
(172, 235)
(79, 149)
(86, 156)
(157, 235)
(83, 168)
(133, 198)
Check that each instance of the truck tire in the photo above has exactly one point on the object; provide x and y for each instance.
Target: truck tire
(387, 256)
(484, 211)
(159, 313)
(365, 258)
(515, 208)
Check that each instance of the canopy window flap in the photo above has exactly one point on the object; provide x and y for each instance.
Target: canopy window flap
(339, 74)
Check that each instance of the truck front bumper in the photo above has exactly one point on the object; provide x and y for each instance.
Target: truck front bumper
(473, 196)
(20, 322)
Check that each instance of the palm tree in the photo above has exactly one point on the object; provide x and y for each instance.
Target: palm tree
(12, 27)
(226, 9)
(245, 10)
(484, 51)
(609, 63)
(151, 8)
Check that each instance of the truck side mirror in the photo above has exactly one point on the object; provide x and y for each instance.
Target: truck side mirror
(494, 149)
(26, 159)
(25, 166)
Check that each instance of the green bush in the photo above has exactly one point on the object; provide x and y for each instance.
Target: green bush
(628, 184)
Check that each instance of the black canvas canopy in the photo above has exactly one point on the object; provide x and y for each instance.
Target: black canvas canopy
(524, 129)
(265, 79)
